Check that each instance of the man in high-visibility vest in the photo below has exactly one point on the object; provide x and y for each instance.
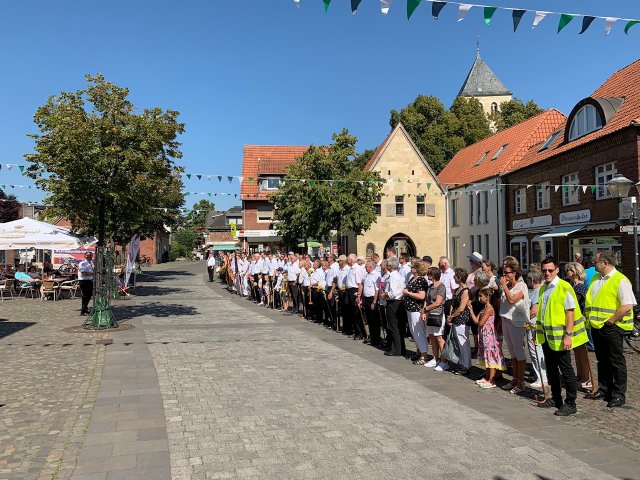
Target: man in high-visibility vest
(609, 309)
(560, 327)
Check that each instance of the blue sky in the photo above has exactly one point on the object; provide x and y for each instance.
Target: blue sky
(266, 72)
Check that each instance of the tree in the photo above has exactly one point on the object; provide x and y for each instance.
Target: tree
(472, 123)
(336, 194)
(197, 217)
(514, 112)
(362, 159)
(435, 130)
(109, 170)
(9, 207)
(183, 243)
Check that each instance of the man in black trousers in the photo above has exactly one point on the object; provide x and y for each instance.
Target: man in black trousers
(85, 280)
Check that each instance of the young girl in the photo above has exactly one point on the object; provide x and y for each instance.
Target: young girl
(489, 351)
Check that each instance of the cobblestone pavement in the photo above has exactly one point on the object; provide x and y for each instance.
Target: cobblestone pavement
(48, 383)
(208, 385)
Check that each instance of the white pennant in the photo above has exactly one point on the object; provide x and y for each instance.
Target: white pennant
(609, 21)
(209, 177)
(389, 180)
(556, 187)
(492, 190)
(9, 166)
(477, 192)
(463, 10)
(529, 186)
(385, 5)
(539, 17)
(240, 179)
(584, 188)
(297, 2)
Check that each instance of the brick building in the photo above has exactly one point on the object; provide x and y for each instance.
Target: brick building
(263, 168)
(557, 201)
(218, 233)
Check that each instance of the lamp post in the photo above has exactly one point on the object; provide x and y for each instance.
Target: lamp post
(619, 187)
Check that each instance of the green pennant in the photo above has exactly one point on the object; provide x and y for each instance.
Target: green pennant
(326, 4)
(629, 25)
(340, 183)
(399, 180)
(565, 18)
(21, 167)
(250, 180)
(219, 178)
(565, 188)
(189, 176)
(488, 13)
(428, 186)
(411, 6)
(4, 186)
(593, 188)
(209, 193)
(186, 194)
(312, 182)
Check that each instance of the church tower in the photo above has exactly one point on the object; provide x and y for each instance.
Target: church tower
(482, 84)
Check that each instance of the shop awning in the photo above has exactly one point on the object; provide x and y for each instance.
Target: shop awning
(225, 246)
(599, 227)
(562, 231)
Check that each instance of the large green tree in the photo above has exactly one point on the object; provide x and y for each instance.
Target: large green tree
(9, 207)
(326, 191)
(440, 133)
(514, 112)
(107, 166)
(197, 216)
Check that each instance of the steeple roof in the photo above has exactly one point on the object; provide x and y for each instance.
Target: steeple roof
(482, 82)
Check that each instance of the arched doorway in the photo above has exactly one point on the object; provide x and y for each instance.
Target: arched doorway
(371, 249)
(401, 243)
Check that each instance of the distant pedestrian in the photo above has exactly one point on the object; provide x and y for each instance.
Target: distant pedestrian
(211, 266)
(85, 279)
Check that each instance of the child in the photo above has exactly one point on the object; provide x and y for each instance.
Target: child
(489, 351)
(284, 292)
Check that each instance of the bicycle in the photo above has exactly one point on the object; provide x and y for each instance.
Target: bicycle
(633, 337)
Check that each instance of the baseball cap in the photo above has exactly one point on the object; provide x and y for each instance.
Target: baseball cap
(476, 257)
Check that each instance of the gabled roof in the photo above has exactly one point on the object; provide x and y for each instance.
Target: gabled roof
(623, 84)
(482, 82)
(377, 155)
(466, 167)
(273, 158)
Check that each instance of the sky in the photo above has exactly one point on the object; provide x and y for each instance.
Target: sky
(266, 72)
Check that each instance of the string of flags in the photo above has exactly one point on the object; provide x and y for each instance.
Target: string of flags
(488, 12)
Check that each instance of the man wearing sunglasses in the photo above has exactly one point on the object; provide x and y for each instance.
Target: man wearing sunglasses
(560, 328)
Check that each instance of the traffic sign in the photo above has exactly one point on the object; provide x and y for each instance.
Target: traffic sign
(629, 229)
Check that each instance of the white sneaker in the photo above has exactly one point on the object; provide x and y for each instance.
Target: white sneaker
(536, 384)
(442, 367)
(431, 363)
(260, 304)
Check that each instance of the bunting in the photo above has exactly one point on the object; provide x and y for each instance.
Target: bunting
(488, 14)
(411, 6)
(436, 8)
(517, 16)
(586, 23)
(463, 9)
(565, 18)
(354, 6)
(385, 5)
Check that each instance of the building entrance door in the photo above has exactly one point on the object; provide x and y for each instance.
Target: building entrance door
(401, 243)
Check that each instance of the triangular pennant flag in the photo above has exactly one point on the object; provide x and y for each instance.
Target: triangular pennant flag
(488, 14)
(250, 179)
(186, 194)
(297, 2)
(436, 8)
(539, 17)
(529, 186)
(9, 166)
(209, 194)
(399, 180)
(311, 182)
(219, 177)
(189, 176)
(302, 180)
(235, 195)
(411, 6)
(593, 188)
(565, 188)
(230, 179)
(517, 16)
(556, 187)
(361, 182)
(584, 188)
(385, 5)
(477, 192)
(565, 19)
(586, 23)
(418, 184)
(165, 210)
(354, 5)
(340, 183)
(209, 177)
(330, 183)
(608, 23)
(428, 186)
(326, 4)
(21, 167)
(630, 24)
(199, 177)
(463, 9)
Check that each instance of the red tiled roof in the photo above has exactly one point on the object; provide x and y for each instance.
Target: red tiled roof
(625, 83)
(265, 159)
(462, 168)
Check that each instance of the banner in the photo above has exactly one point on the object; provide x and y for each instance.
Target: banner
(134, 248)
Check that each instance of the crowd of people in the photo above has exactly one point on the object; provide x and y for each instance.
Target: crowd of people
(459, 314)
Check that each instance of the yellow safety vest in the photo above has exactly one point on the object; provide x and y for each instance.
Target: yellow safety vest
(600, 309)
(555, 319)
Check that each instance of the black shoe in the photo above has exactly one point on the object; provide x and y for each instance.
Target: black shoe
(599, 395)
(566, 410)
(391, 354)
(358, 337)
(548, 404)
(615, 402)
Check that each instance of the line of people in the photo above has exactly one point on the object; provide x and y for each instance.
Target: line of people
(382, 302)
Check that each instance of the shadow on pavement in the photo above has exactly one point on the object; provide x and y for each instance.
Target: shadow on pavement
(7, 328)
(151, 290)
(162, 275)
(154, 310)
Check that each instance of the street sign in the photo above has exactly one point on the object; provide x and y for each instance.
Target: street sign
(629, 229)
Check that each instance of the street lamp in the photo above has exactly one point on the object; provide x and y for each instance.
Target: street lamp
(619, 187)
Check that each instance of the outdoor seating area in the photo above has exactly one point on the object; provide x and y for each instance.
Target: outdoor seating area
(43, 287)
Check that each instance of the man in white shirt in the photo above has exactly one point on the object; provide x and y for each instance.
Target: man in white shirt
(353, 324)
(369, 300)
(393, 296)
(446, 277)
(293, 272)
(404, 268)
(211, 266)
(85, 281)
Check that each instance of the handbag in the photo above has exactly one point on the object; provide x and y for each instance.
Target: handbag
(434, 320)
(452, 349)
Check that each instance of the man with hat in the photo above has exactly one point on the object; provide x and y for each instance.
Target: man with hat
(475, 262)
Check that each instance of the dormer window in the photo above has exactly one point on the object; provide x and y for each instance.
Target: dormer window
(585, 121)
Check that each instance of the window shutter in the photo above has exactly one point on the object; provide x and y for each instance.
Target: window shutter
(390, 209)
(430, 209)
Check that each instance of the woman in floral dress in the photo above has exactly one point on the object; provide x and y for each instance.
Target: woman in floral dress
(489, 351)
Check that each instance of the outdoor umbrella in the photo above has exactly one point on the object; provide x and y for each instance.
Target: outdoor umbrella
(311, 244)
(27, 233)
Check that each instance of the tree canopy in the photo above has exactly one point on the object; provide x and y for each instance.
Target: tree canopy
(197, 216)
(514, 112)
(98, 157)
(9, 207)
(440, 133)
(338, 196)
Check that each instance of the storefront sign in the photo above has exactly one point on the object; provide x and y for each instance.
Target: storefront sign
(533, 222)
(579, 216)
(257, 233)
(626, 208)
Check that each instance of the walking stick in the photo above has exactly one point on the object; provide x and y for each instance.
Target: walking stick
(324, 296)
(594, 389)
(364, 323)
(544, 390)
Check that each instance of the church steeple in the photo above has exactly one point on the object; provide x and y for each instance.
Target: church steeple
(482, 82)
